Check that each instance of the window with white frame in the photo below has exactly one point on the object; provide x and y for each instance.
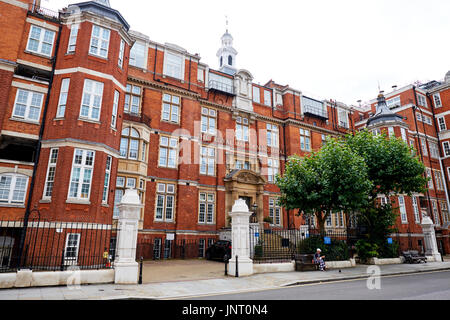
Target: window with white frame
(402, 207)
(442, 124)
(115, 109)
(242, 129)
(51, 172)
(324, 139)
(132, 99)
(81, 177)
(41, 41)
(137, 55)
(209, 120)
(343, 118)
(391, 132)
(383, 200)
(434, 150)
(239, 165)
(267, 98)
(415, 204)
(171, 108)
(165, 202)
(28, 105)
(339, 219)
(144, 151)
(272, 135)
(305, 140)
(129, 144)
(430, 182)
(446, 147)
(272, 169)
(206, 208)
(424, 146)
(200, 75)
(92, 100)
(439, 180)
(107, 179)
(73, 38)
(131, 183)
(256, 95)
(437, 220)
(121, 53)
(275, 212)
(207, 161)
(279, 99)
(421, 100)
(100, 41)
(173, 65)
(437, 100)
(168, 149)
(63, 94)
(72, 247)
(201, 248)
(394, 102)
(404, 135)
(445, 213)
(329, 221)
(13, 188)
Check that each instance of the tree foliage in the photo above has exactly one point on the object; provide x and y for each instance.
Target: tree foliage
(392, 166)
(333, 179)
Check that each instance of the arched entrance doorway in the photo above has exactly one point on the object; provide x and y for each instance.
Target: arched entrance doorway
(247, 185)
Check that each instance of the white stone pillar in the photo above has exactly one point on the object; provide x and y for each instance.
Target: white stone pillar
(240, 240)
(431, 249)
(126, 267)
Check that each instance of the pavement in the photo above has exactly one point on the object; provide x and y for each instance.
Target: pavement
(213, 283)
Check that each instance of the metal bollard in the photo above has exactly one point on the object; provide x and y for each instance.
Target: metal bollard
(140, 271)
(237, 267)
(227, 260)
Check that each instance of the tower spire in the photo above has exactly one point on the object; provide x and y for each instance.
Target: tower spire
(227, 54)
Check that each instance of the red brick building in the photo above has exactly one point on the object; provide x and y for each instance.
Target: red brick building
(90, 108)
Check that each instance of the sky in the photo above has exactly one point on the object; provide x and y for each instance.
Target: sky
(342, 50)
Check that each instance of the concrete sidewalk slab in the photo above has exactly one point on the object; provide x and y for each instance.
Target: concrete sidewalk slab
(192, 289)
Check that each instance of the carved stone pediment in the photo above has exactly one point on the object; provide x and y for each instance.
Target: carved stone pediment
(246, 176)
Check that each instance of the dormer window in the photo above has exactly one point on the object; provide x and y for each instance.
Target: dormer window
(173, 65)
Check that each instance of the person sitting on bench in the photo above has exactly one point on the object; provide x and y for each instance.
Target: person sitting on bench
(318, 259)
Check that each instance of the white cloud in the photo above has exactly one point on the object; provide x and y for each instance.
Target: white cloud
(334, 49)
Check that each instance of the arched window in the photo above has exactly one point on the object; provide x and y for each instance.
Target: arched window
(230, 60)
(13, 188)
(129, 144)
(221, 61)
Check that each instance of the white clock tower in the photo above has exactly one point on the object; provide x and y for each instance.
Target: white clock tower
(227, 55)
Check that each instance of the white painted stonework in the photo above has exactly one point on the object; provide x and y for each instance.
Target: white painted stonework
(431, 248)
(240, 240)
(126, 267)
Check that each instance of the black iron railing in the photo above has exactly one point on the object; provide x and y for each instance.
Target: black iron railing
(44, 12)
(56, 246)
(315, 111)
(157, 248)
(220, 86)
(278, 245)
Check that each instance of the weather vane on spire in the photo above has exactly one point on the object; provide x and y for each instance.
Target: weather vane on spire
(226, 18)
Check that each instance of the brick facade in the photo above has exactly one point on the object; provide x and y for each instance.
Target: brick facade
(300, 129)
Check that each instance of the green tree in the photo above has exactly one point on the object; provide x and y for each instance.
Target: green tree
(393, 169)
(333, 179)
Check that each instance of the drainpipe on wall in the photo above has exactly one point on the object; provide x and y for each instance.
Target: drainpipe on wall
(441, 153)
(38, 153)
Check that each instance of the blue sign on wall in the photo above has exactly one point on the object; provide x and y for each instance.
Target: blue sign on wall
(389, 240)
(257, 234)
(327, 240)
